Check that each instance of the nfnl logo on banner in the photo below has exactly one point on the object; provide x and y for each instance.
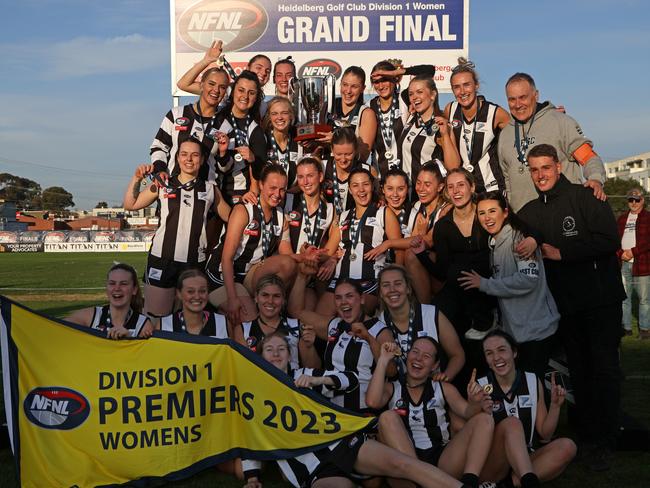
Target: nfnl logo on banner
(344, 33)
(84, 410)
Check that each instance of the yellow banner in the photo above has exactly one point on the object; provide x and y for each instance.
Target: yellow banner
(85, 410)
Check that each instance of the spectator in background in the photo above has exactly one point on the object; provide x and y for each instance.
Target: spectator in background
(634, 231)
(579, 250)
(542, 123)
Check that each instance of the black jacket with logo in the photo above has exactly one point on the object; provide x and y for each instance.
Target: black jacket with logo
(583, 228)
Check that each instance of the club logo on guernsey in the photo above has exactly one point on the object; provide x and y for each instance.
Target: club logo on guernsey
(239, 23)
(55, 407)
(320, 67)
(294, 218)
(252, 229)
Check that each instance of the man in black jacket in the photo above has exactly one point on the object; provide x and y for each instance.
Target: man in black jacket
(580, 243)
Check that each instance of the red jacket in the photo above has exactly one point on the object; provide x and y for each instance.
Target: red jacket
(641, 265)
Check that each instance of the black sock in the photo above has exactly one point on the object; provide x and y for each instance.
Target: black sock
(470, 480)
(530, 480)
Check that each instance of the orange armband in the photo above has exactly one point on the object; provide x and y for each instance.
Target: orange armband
(583, 154)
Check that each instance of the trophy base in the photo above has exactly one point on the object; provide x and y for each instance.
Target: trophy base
(311, 131)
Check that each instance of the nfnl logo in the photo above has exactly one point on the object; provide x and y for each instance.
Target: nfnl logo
(320, 67)
(238, 23)
(56, 408)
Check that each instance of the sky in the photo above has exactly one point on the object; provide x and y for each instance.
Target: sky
(84, 84)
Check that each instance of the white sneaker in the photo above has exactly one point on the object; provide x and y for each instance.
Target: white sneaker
(476, 335)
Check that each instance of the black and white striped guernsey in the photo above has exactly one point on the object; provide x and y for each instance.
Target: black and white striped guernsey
(180, 124)
(236, 175)
(426, 421)
(371, 235)
(479, 138)
(397, 128)
(345, 352)
(520, 402)
(350, 119)
(253, 336)
(287, 159)
(215, 324)
(300, 470)
(296, 233)
(425, 324)
(347, 202)
(250, 248)
(416, 148)
(344, 381)
(102, 320)
(181, 234)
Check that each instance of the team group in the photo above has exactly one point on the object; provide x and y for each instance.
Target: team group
(414, 263)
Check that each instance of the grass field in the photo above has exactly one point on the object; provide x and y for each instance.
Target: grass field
(55, 284)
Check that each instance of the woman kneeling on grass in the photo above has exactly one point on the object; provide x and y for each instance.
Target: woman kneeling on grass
(121, 317)
(333, 465)
(520, 413)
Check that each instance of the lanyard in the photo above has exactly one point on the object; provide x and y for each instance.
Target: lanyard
(410, 333)
(241, 135)
(430, 127)
(222, 62)
(387, 128)
(282, 157)
(109, 322)
(204, 126)
(355, 230)
(521, 144)
(311, 235)
(469, 144)
(181, 319)
(266, 236)
(338, 203)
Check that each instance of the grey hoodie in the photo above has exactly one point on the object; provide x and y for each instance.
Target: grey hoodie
(548, 127)
(528, 311)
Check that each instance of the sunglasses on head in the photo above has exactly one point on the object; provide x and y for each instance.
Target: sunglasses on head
(634, 199)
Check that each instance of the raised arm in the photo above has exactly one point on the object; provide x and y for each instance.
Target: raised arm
(296, 305)
(546, 421)
(133, 198)
(188, 82)
(379, 392)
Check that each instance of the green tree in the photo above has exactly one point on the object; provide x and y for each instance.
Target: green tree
(23, 191)
(616, 190)
(101, 205)
(56, 198)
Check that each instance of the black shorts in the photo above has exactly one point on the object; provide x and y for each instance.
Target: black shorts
(164, 273)
(215, 277)
(431, 455)
(368, 287)
(341, 459)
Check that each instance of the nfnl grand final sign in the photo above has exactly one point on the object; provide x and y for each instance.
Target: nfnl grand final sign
(317, 32)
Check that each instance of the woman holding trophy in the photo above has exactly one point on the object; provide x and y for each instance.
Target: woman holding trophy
(350, 111)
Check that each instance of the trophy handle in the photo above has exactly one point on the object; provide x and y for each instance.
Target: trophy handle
(331, 92)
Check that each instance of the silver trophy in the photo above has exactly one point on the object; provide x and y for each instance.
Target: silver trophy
(313, 99)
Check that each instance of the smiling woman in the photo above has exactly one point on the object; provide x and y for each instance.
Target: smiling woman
(180, 241)
(121, 317)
